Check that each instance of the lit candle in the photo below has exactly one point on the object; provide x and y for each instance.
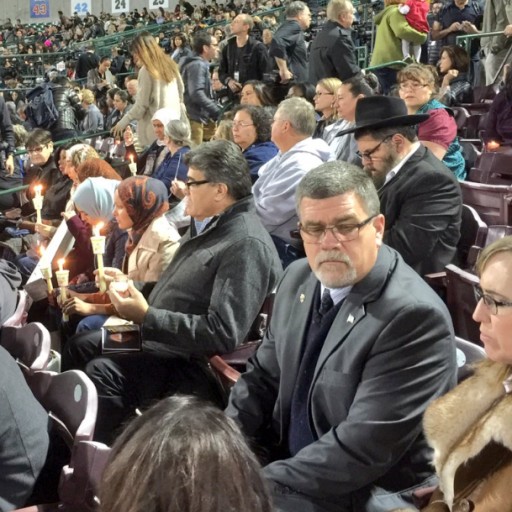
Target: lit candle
(46, 271)
(37, 201)
(98, 248)
(132, 166)
(63, 281)
(492, 145)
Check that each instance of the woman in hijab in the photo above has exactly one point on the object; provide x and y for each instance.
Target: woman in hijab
(139, 205)
(152, 158)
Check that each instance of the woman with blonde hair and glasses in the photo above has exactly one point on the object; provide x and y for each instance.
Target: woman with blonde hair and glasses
(417, 86)
(469, 427)
(160, 86)
(325, 104)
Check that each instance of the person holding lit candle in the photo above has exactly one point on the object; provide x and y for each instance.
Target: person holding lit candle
(94, 203)
(149, 161)
(140, 204)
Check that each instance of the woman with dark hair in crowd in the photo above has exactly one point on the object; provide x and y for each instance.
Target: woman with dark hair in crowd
(453, 68)
(417, 86)
(121, 107)
(256, 93)
(302, 90)
(157, 87)
(252, 128)
(181, 48)
(184, 455)
(344, 146)
(499, 118)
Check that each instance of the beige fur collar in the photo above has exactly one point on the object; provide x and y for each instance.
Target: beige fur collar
(461, 423)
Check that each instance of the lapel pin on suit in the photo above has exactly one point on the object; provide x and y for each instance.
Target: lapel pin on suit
(350, 319)
(302, 298)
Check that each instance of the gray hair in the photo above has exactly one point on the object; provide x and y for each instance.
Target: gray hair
(335, 179)
(294, 9)
(337, 7)
(222, 161)
(299, 113)
(179, 132)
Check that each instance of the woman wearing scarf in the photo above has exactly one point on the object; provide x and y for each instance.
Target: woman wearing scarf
(140, 203)
(150, 160)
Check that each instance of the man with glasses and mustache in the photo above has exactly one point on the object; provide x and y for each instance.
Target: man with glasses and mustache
(420, 198)
(357, 347)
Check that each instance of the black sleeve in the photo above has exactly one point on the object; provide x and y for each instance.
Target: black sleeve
(6, 128)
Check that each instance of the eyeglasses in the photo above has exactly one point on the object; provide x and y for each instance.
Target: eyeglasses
(490, 302)
(342, 232)
(36, 150)
(324, 93)
(191, 184)
(240, 124)
(411, 85)
(368, 154)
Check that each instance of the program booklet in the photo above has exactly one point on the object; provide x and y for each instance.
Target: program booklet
(121, 338)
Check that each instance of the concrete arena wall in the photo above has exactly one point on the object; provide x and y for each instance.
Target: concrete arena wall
(21, 8)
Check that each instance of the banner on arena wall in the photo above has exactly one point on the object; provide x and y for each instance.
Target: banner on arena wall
(155, 4)
(120, 5)
(39, 8)
(81, 7)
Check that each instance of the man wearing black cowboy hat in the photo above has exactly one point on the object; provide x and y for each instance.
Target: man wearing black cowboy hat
(420, 198)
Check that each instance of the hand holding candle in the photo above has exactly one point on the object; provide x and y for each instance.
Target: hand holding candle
(98, 248)
(37, 201)
(63, 281)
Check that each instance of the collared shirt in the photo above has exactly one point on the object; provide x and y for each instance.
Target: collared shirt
(337, 294)
(391, 174)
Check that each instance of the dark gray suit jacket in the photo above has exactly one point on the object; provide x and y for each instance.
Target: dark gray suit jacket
(389, 352)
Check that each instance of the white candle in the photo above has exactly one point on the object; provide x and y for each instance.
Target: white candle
(37, 201)
(63, 281)
(98, 248)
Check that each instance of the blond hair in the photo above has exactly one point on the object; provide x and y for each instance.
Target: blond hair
(157, 63)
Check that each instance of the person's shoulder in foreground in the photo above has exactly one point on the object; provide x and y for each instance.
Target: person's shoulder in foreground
(24, 437)
(335, 397)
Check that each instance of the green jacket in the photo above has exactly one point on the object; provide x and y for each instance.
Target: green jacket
(392, 27)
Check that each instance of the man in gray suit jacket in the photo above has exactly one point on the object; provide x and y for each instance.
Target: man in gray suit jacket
(357, 347)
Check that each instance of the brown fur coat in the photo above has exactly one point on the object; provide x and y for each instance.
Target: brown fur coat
(470, 430)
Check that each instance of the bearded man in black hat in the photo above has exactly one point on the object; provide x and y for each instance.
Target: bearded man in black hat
(419, 197)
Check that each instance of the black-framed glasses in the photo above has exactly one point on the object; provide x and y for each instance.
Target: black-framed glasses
(489, 301)
(315, 234)
(39, 149)
(191, 184)
(411, 85)
(368, 154)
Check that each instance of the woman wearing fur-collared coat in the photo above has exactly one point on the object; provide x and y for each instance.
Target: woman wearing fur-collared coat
(470, 428)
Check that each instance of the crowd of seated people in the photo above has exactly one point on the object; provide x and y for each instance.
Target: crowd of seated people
(337, 199)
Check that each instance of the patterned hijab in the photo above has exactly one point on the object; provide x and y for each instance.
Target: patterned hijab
(145, 199)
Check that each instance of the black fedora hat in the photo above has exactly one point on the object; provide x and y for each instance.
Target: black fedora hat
(381, 112)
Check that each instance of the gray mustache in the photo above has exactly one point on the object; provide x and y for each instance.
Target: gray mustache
(332, 256)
